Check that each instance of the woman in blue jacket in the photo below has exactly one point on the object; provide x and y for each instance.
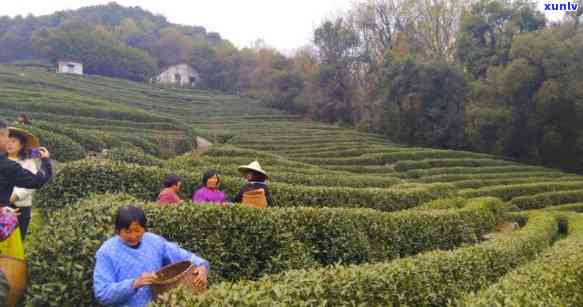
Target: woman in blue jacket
(126, 264)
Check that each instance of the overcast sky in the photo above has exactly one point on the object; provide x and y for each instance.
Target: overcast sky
(283, 24)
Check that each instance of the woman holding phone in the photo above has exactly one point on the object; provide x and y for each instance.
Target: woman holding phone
(23, 149)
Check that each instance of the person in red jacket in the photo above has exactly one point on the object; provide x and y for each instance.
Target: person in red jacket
(169, 195)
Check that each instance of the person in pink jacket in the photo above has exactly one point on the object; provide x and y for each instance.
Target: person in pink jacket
(209, 192)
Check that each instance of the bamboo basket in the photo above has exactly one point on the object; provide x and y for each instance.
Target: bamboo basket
(173, 275)
(255, 199)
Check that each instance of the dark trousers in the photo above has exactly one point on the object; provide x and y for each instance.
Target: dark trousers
(24, 220)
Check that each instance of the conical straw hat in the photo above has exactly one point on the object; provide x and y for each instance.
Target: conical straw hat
(31, 140)
(253, 166)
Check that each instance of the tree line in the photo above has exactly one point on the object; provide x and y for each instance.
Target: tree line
(492, 76)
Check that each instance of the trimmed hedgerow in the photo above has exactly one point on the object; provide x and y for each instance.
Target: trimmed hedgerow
(377, 170)
(231, 152)
(576, 207)
(395, 198)
(109, 140)
(479, 183)
(454, 202)
(243, 243)
(392, 157)
(522, 174)
(418, 173)
(132, 155)
(187, 143)
(507, 192)
(336, 180)
(309, 177)
(108, 112)
(430, 279)
(77, 180)
(553, 279)
(338, 153)
(404, 166)
(62, 148)
(547, 199)
(148, 146)
(89, 141)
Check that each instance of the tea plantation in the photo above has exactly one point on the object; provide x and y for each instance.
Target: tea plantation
(357, 220)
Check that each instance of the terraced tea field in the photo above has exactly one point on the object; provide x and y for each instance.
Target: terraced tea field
(357, 220)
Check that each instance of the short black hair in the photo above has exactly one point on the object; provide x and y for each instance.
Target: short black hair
(126, 215)
(171, 180)
(3, 124)
(208, 175)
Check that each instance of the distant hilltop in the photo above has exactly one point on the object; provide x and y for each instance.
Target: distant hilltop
(111, 40)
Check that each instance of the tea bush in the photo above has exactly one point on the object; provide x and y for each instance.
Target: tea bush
(77, 180)
(418, 173)
(509, 191)
(576, 207)
(547, 199)
(406, 165)
(149, 146)
(518, 174)
(243, 243)
(132, 155)
(86, 139)
(397, 197)
(430, 279)
(553, 279)
(392, 157)
(62, 148)
(479, 183)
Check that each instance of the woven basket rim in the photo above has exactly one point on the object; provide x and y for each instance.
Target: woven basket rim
(175, 278)
(12, 258)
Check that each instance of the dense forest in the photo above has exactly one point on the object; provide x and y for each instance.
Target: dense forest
(492, 76)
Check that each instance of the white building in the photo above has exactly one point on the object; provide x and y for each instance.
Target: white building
(70, 67)
(180, 74)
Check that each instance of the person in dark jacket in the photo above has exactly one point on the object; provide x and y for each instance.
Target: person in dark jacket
(255, 193)
(13, 175)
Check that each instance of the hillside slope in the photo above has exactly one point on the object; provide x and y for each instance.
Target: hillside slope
(388, 214)
(294, 150)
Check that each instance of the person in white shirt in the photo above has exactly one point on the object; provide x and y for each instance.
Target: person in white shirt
(19, 150)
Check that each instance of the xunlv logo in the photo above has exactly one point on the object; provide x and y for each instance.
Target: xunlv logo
(569, 7)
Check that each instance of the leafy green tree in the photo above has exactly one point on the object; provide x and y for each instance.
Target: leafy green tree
(427, 100)
(98, 51)
(487, 30)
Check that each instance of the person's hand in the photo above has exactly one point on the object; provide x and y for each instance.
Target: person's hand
(10, 211)
(200, 281)
(13, 198)
(145, 279)
(44, 153)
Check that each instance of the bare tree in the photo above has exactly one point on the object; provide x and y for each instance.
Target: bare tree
(437, 23)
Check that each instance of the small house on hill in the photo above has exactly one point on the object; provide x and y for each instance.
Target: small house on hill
(69, 67)
(180, 74)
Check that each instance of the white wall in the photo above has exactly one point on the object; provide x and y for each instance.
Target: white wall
(65, 67)
(184, 73)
